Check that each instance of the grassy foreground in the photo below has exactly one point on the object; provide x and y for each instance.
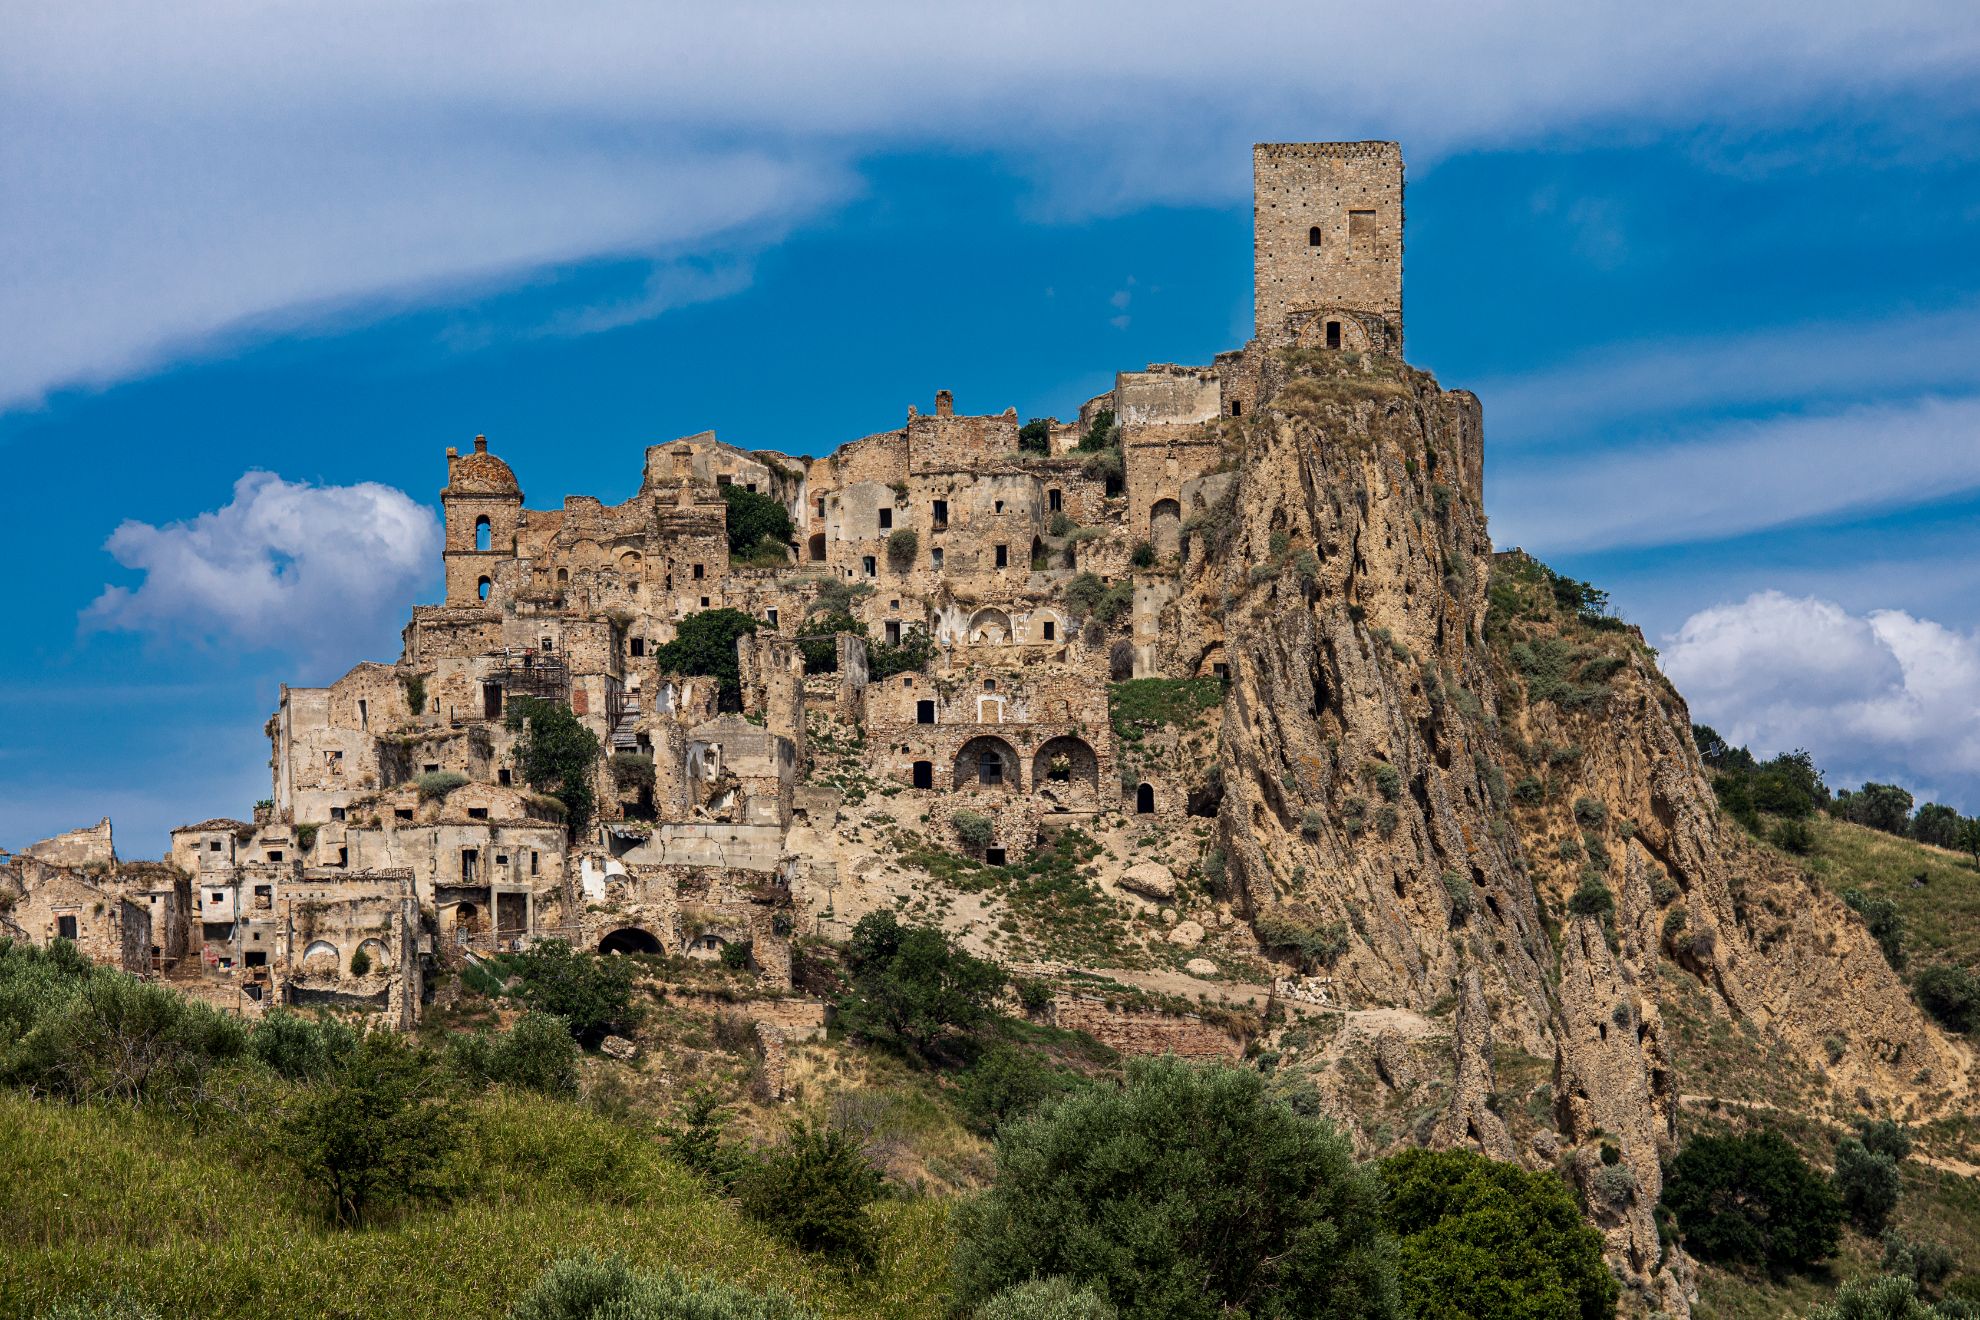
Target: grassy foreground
(97, 1200)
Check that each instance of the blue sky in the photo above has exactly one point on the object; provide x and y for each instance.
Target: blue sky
(1712, 273)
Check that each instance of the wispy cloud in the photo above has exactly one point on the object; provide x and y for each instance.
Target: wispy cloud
(1802, 364)
(1736, 478)
(310, 570)
(176, 172)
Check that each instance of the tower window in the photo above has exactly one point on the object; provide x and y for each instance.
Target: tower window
(1333, 334)
(1237, 407)
(1313, 236)
(1054, 500)
(481, 589)
(886, 519)
(1003, 556)
(869, 565)
(935, 558)
(941, 515)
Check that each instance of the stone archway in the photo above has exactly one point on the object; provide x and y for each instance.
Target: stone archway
(1066, 761)
(987, 762)
(629, 939)
(1165, 528)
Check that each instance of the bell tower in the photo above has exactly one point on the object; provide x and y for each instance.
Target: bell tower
(1327, 230)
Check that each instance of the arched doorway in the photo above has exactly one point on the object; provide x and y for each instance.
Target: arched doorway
(629, 939)
(467, 917)
(1165, 528)
(1144, 800)
(1064, 761)
(818, 547)
(986, 762)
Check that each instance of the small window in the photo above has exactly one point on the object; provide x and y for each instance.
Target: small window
(924, 712)
(218, 897)
(274, 854)
(935, 558)
(1144, 799)
(1051, 630)
(256, 957)
(431, 767)
(698, 570)
(750, 487)
(481, 589)
(532, 863)
(1220, 670)
(477, 813)
(1003, 556)
(364, 715)
(503, 777)
(886, 519)
(1313, 236)
(336, 813)
(924, 774)
(704, 602)
(638, 646)
(563, 577)
(482, 534)
(997, 506)
(332, 758)
(65, 928)
(770, 617)
(1333, 334)
(821, 508)
(893, 634)
(723, 479)
(402, 813)
(343, 857)
(993, 856)
(1054, 500)
(941, 515)
(989, 685)
(870, 566)
(213, 846)
(1237, 408)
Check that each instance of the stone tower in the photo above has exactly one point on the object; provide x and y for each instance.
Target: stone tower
(1327, 230)
(483, 506)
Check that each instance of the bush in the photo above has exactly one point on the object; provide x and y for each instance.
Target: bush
(1006, 1083)
(1312, 944)
(592, 995)
(379, 1128)
(754, 518)
(1482, 1238)
(697, 1143)
(360, 962)
(1189, 1195)
(1589, 812)
(1883, 807)
(1794, 836)
(705, 643)
(1752, 1198)
(1951, 995)
(901, 545)
(536, 1054)
(1884, 922)
(1142, 556)
(438, 783)
(1530, 791)
(1592, 899)
(1312, 822)
(590, 1287)
(976, 830)
(1886, 1298)
(300, 1048)
(1046, 1299)
(1458, 890)
(555, 754)
(1928, 1264)
(915, 649)
(814, 1191)
(632, 771)
(1868, 1184)
(1035, 436)
(910, 985)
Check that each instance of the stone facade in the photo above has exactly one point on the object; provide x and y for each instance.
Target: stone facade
(1327, 230)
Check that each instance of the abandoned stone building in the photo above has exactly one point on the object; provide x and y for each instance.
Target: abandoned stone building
(1039, 562)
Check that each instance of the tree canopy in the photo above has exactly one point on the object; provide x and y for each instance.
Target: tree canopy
(555, 754)
(1480, 1238)
(1752, 1198)
(754, 518)
(911, 986)
(705, 643)
(1186, 1194)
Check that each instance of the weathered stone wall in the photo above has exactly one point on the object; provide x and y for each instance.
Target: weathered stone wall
(1351, 193)
(1137, 1033)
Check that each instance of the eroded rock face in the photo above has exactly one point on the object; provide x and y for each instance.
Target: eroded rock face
(1151, 880)
(1507, 829)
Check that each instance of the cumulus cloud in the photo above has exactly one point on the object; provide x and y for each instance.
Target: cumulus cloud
(1883, 695)
(317, 571)
(1736, 478)
(177, 170)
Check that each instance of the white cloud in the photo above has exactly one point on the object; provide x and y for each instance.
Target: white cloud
(1740, 477)
(318, 571)
(177, 170)
(1883, 695)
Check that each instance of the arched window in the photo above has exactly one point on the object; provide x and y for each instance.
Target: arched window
(1144, 799)
(563, 577)
(481, 588)
(1313, 236)
(483, 536)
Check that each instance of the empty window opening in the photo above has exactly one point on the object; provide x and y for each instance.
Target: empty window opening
(477, 813)
(940, 518)
(491, 700)
(924, 774)
(770, 617)
(989, 768)
(699, 569)
(364, 714)
(886, 519)
(989, 685)
(65, 928)
(1051, 630)
(818, 546)
(402, 813)
(274, 854)
(563, 577)
(924, 712)
(993, 856)
(503, 777)
(1144, 799)
(336, 813)
(533, 862)
(1313, 236)
(343, 857)
(1003, 556)
(481, 588)
(893, 634)
(821, 507)
(724, 479)
(483, 534)
(637, 646)
(470, 858)
(1220, 670)
(1333, 334)
(1054, 500)
(997, 506)
(869, 566)
(213, 846)
(431, 767)
(256, 957)
(704, 602)
(935, 558)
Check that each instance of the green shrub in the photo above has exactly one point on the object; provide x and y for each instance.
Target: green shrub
(1886, 1298)
(1046, 1299)
(976, 830)
(1752, 1198)
(591, 994)
(1530, 791)
(1101, 434)
(1950, 994)
(1592, 899)
(1312, 823)
(1794, 836)
(1868, 1183)
(590, 1287)
(705, 643)
(1458, 889)
(555, 754)
(815, 1191)
(754, 518)
(1884, 922)
(1928, 1264)
(632, 771)
(901, 545)
(697, 1142)
(360, 961)
(300, 1048)
(438, 783)
(1142, 556)
(536, 1054)
(1035, 436)
(910, 985)
(1007, 1082)
(1290, 931)
(1388, 781)
(1188, 1195)
(1589, 812)
(379, 1128)
(415, 687)
(1477, 1237)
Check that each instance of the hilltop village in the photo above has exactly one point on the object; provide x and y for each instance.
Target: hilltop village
(1002, 575)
